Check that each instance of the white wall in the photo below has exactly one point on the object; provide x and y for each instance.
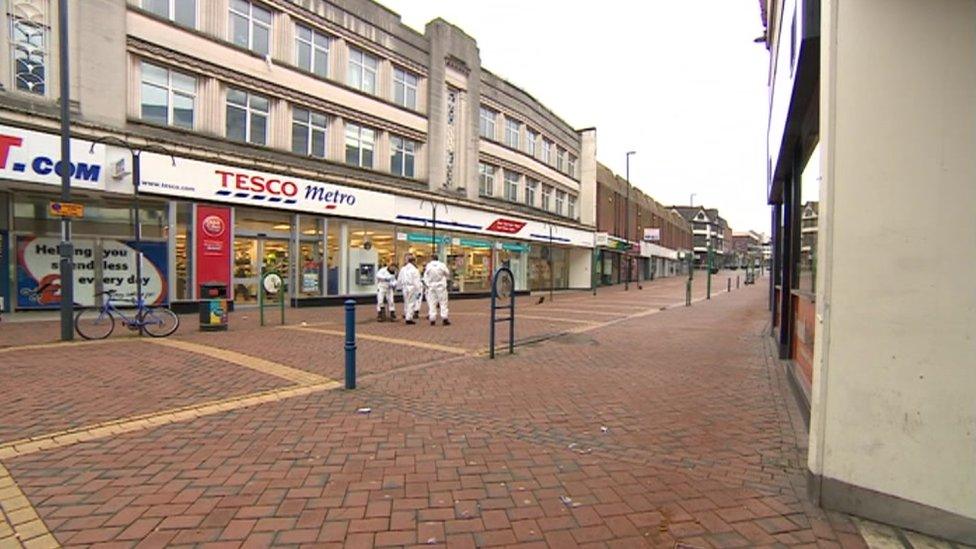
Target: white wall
(580, 268)
(894, 400)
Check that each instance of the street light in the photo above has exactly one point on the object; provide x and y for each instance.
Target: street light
(433, 226)
(627, 221)
(691, 201)
(66, 267)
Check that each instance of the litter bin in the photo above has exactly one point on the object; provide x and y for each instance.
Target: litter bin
(213, 307)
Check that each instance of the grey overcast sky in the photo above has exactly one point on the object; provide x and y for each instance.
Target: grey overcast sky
(681, 82)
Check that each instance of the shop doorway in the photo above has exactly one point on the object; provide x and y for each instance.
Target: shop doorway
(252, 256)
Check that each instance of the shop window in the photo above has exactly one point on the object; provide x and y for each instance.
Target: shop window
(167, 96)
(247, 117)
(183, 253)
(29, 43)
(250, 26)
(109, 218)
(308, 132)
(181, 12)
(405, 88)
(809, 220)
(360, 143)
(362, 71)
(402, 156)
(312, 50)
(255, 221)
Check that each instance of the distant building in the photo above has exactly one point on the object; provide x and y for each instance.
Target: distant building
(709, 230)
(747, 248)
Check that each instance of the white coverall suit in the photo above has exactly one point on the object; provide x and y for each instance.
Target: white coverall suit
(385, 284)
(413, 290)
(436, 275)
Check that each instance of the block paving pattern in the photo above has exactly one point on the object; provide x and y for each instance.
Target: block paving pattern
(668, 428)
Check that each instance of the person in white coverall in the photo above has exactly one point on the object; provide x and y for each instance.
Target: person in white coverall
(436, 275)
(385, 284)
(412, 287)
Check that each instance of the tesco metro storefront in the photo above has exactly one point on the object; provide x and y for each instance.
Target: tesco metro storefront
(205, 222)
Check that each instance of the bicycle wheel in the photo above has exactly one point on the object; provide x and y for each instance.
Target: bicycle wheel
(94, 323)
(159, 321)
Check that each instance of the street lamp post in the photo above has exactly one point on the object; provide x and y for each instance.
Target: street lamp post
(627, 221)
(66, 251)
(691, 201)
(709, 266)
(552, 274)
(433, 226)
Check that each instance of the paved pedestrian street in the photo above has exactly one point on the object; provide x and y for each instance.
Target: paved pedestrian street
(623, 419)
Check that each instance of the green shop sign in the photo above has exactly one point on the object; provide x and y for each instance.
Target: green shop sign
(515, 247)
(472, 243)
(426, 238)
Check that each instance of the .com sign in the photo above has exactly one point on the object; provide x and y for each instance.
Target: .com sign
(35, 157)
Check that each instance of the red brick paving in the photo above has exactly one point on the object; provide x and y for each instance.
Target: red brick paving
(698, 448)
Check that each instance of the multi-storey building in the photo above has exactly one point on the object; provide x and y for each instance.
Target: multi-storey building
(747, 248)
(653, 243)
(318, 138)
(876, 322)
(710, 232)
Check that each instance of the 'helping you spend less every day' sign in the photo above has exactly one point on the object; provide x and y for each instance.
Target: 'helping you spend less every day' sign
(39, 280)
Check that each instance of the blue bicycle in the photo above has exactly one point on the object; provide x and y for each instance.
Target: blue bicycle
(99, 322)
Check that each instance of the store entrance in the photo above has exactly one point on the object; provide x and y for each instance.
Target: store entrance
(252, 256)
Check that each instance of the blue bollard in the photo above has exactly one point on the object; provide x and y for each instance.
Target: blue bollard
(350, 344)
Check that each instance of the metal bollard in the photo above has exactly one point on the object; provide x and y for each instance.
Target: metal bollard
(350, 344)
(688, 293)
(736, 282)
(729, 288)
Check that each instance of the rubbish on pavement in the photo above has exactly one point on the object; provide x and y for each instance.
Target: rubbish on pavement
(364, 410)
(604, 429)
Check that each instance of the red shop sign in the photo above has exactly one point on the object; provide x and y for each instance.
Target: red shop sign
(509, 226)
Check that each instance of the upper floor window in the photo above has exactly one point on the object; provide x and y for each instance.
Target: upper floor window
(572, 166)
(362, 71)
(250, 26)
(487, 123)
(511, 185)
(247, 117)
(402, 156)
(512, 130)
(530, 138)
(560, 159)
(29, 49)
(546, 197)
(182, 12)
(405, 88)
(360, 143)
(486, 179)
(167, 96)
(312, 50)
(547, 151)
(560, 201)
(308, 132)
(571, 207)
(531, 186)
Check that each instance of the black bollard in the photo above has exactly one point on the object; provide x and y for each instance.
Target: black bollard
(729, 288)
(736, 282)
(350, 344)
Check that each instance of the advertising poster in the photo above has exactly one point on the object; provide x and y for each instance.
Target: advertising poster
(4, 273)
(98, 266)
(213, 245)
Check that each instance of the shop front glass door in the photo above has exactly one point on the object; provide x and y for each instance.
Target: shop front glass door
(252, 257)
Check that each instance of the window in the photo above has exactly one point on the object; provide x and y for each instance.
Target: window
(560, 200)
(360, 142)
(486, 179)
(531, 186)
(511, 185)
(572, 166)
(28, 49)
(530, 137)
(547, 151)
(405, 88)
(546, 197)
(182, 12)
(571, 207)
(512, 131)
(402, 156)
(308, 131)
(488, 123)
(167, 96)
(312, 50)
(362, 71)
(247, 117)
(250, 26)
(560, 159)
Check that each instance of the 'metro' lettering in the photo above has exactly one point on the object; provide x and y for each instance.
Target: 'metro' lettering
(322, 194)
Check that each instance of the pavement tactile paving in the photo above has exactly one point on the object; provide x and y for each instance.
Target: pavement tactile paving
(647, 428)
